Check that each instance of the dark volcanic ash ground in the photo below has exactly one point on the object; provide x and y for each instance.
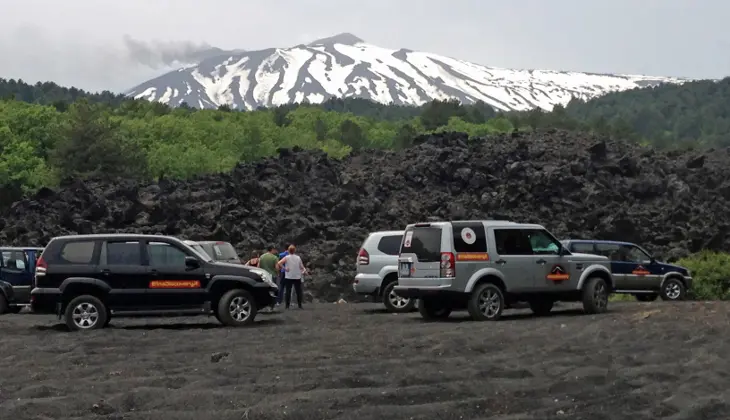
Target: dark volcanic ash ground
(577, 185)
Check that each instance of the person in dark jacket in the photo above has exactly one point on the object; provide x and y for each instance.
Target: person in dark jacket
(282, 273)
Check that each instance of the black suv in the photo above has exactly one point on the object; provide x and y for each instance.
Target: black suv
(88, 279)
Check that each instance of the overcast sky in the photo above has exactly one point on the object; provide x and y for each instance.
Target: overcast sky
(112, 44)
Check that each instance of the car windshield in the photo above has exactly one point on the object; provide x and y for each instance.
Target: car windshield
(224, 251)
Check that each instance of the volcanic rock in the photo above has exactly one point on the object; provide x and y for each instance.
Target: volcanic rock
(577, 185)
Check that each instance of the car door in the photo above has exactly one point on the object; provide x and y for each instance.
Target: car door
(645, 274)
(552, 271)
(619, 270)
(120, 266)
(514, 258)
(170, 282)
(16, 271)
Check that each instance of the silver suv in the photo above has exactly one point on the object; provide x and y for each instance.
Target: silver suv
(377, 270)
(488, 266)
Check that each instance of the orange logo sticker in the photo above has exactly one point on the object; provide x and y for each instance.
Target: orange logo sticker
(558, 274)
(472, 256)
(640, 271)
(174, 284)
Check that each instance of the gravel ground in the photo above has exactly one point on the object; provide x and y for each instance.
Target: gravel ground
(352, 361)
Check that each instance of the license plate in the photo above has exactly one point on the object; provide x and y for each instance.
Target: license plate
(405, 269)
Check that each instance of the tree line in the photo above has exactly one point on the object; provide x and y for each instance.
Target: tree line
(49, 133)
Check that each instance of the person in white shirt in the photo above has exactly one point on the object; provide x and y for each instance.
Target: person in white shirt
(293, 271)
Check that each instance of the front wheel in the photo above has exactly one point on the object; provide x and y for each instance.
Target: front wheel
(85, 312)
(237, 308)
(486, 302)
(673, 289)
(395, 303)
(595, 296)
(432, 309)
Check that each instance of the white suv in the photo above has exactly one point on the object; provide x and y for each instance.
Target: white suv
(377, 270)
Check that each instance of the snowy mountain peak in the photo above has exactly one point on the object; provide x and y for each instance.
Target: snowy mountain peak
(345, 66)
(343, 38)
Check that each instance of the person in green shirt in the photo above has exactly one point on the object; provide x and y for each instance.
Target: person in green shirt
(268, 262)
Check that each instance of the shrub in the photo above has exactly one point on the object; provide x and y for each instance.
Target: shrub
(710, 273)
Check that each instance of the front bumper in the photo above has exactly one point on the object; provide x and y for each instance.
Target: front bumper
(687, 282)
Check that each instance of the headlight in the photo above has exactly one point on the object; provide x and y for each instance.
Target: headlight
(265, 275)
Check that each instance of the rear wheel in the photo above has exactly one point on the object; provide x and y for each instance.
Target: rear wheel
(595, 296)
(395, 303)
(237, 308)
(646, 297)
(433, 309)
(85, 312)
(542, 306)
(486, 302)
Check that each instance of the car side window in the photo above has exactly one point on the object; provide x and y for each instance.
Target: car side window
(81, 252)
(582, 247)
(634, 254)
(123, 253)
(390, 244)
(20, 259)
(541, 243)
(512, 242)
(609, 250)
(469, 237)
(163, 254)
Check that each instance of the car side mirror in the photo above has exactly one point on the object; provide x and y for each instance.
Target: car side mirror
(191, 262)
(561, 251)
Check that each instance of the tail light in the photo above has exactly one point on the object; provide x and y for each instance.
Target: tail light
(448, 265)
(363, 258)
(40, 269)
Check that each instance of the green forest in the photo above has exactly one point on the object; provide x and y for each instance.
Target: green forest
(48, 132)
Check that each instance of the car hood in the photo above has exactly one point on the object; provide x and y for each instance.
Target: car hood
(221, 267)
(672, 267)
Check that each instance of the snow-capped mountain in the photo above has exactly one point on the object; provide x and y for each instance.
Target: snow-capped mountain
(347, 66)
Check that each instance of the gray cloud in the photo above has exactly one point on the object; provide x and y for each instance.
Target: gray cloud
(158, 54)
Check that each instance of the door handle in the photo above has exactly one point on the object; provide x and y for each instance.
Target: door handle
(154, 272)
(105, 271)
(541, 261)
(500, 262)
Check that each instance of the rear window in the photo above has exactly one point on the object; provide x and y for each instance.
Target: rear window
(425, 242)
(224, 251)
(390, 244)
(469, 237)
(80, 252)
(585, 248)
(123, 253)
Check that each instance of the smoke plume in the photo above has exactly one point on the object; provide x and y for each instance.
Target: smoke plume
(158, 54)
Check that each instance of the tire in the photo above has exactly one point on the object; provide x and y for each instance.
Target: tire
(432, 309)
(486, 302)
(85, 312)
(646, 297)
(237, 308)
(541, 307)
(394, 303)
(595, 296)
(4, 308)
(673, 290)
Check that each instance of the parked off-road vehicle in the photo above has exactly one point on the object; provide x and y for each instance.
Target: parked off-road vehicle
(488, 266)
(377, 270)
(221, 251)
(17, 265)
(637, 272)
(90, 279)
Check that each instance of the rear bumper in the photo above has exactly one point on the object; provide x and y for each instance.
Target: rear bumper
(366, 284)
(45, 300)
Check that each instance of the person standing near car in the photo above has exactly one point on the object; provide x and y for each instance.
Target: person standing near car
(293, 272)
(268, 262)
(282, 273)
(254, 261)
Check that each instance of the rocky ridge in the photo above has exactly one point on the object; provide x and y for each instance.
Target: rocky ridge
(576, 184)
